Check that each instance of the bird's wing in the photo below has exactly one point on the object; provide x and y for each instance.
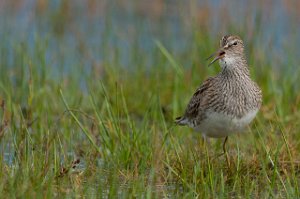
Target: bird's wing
(198, 99)
(197, 103)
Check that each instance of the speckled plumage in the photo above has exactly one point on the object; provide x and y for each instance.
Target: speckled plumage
(228, 102)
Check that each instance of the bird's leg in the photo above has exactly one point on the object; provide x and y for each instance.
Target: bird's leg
(225, 152)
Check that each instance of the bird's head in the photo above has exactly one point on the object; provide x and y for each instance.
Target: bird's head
(231, 50)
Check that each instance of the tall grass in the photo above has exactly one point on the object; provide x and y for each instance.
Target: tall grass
(109, 132)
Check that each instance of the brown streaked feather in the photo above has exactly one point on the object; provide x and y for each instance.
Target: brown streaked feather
(194, 106)
(223, 41)
(180, 121)
(197, 99)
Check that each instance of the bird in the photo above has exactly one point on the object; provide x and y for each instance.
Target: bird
(226, 103)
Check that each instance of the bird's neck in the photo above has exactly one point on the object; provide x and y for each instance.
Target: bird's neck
(235, 67)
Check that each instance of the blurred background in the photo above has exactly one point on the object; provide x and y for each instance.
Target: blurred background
(83, 35)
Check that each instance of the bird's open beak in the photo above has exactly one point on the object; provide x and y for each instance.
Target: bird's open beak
(217, 55)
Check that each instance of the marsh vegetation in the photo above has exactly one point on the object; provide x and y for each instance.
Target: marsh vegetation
(89, 92)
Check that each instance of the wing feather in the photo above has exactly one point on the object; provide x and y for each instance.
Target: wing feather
(194, 106)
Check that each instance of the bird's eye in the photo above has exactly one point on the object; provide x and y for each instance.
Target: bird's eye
(235, 43)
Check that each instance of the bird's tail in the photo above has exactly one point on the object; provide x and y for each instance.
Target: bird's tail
(182, 121)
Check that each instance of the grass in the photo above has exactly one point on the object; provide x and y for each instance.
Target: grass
(116, 137)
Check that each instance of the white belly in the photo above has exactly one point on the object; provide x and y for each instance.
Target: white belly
(221, 125)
